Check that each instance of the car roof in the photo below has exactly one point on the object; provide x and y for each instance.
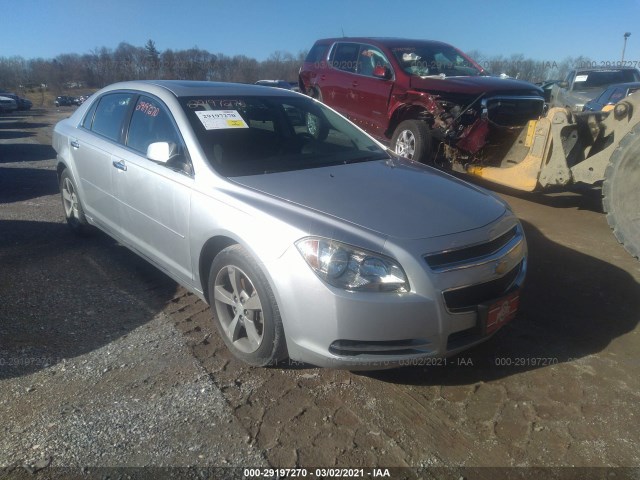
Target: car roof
(605, 69)
(389, 42)
(194, 88)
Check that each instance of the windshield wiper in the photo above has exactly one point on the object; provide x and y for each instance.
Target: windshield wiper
(365, 158)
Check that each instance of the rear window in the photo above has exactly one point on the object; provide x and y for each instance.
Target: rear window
(317, 54)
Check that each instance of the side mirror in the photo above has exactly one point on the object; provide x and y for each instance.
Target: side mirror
(380, 71)
(563, 84)
(161, 152)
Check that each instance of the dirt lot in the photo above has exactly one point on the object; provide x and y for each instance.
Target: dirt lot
(104, 361)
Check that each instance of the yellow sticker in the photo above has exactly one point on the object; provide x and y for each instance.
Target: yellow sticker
(220, 119)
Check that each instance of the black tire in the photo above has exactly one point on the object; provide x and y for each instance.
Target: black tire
(621, 192)
(412, 139)
(72, 205)
(314, 92)
(247, 315)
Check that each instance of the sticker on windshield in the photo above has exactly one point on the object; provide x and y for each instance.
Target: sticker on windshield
(221, 119)
(581, 78)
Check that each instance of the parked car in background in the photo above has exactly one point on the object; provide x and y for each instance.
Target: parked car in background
(585, 84)
(64, 101)
(22, 103)
(610, 96)
(275, 83)
(7, 105)
(326, 248)
(413, 94)
(82, 98)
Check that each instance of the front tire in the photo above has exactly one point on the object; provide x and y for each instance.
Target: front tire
(412, 139)
(246, 312)
(621, 194)
(73, 211)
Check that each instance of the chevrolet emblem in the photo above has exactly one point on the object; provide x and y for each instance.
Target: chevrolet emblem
(501, 267)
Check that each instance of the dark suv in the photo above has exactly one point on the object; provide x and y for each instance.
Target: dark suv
(411, 92)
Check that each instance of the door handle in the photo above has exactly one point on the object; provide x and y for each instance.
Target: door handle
(354, 84)
(120, 165)
(74, 144)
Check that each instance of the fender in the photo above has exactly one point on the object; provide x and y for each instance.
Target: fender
(401, 104)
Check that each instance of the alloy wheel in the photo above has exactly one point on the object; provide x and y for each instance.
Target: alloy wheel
(239, 309)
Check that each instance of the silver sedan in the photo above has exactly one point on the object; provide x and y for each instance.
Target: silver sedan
(308, 238)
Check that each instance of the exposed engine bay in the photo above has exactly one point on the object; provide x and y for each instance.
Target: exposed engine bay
(481, 131)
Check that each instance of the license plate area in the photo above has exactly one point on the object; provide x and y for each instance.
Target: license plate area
(495, 314)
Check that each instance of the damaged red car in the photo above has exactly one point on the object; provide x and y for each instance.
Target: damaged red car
(417, 95)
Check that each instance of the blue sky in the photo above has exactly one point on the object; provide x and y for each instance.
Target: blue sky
(541, 29)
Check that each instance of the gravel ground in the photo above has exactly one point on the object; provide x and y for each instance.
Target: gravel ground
(140, 400)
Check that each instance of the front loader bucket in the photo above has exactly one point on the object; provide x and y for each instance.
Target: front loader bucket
(523, 175)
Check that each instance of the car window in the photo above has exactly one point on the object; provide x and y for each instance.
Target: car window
(369, 58)
(617, 95)
(602, 78)
(259, 135)
(152, 122)
(110, 114)
(345, 56)
(88, 117)
(317, 54)
(435, 59)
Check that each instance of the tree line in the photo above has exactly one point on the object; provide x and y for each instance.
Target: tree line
(104, 66)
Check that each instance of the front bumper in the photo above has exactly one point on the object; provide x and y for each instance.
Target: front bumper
(439, 317)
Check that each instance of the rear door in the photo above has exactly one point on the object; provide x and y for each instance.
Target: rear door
(336, 84)
(92, 149)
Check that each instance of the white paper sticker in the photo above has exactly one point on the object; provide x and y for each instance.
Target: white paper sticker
(581, 78)
(220, 119)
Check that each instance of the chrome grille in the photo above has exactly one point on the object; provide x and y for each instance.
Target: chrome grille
(466, 299)
(513, 111)
(452, 259)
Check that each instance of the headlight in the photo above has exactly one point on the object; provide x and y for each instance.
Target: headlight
(352, 268)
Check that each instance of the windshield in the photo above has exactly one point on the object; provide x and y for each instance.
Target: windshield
(428, 60)
(257, 135)
(603, 78)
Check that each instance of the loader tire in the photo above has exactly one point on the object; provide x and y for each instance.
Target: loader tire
(621, 192)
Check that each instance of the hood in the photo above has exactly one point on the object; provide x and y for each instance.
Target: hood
(398, 198)
(585, 94)
(475, 85)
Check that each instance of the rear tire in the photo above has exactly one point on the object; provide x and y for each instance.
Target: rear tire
(73, 211)
(412, 140)
(314, 92)
(621, 192)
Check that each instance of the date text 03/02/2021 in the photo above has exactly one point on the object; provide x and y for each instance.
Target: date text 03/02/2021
(316, 473)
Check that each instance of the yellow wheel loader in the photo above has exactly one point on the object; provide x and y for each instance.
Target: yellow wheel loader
(563, 148)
